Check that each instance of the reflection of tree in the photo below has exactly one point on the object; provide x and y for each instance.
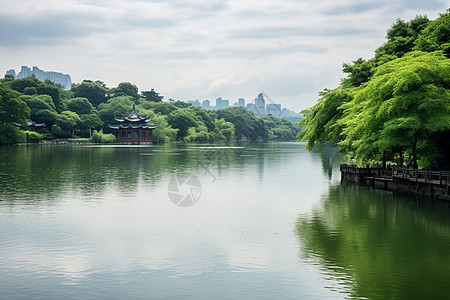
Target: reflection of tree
(389, 248)
(38, 174)
(330, 159)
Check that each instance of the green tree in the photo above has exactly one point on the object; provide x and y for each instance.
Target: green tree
(182, 120)
(224, 130)
(165, 132)
(164, 108)
(280, 129)
(42, 88)
(152, 96)
(246, 125)
(126, 89)
(320, 122)
(198, 133)
(203, 115)
(405, 103)
(68, 120)
(30, 90)
(91, 121)
(12, 109)
(436, 36)
(96, 92)
(401, 37)
(8, 79)
(399, 105)
(180, 104)
(43, 109)
(360, 71)
(80, 105)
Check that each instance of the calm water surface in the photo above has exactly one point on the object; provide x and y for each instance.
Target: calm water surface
(271, 222)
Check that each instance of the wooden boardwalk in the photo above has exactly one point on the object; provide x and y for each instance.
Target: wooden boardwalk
(433, 183)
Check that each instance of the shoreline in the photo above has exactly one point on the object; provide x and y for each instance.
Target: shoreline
(431, 183)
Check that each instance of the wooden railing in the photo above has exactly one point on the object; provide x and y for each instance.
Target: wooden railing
(391, 171)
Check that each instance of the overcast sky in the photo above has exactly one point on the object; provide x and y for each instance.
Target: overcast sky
(194, 49)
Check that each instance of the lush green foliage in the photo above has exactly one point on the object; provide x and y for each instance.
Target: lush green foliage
(151, 96)
(81, 106)
(90, 106)
(126, 89)
(397, 102)
(42, 88)
(100, 137)
(43, 109)
(12, 109)
(96, 92)
(33, 137)
(280, 129)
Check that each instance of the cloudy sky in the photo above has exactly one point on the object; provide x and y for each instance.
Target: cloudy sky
(203, 49)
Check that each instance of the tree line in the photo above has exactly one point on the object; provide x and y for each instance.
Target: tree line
(394, 106)
(88, 107)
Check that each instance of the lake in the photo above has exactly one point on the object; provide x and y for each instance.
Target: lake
(210, 221)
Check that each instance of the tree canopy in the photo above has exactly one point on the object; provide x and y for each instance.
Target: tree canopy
(397, 102)
(90, 106)
(12, 109)
(96, 92)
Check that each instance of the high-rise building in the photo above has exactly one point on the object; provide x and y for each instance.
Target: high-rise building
(241, 102)
(11, 72)
(206, 104)
(60, 78)
(195, 103)
(252, 107)
(274, 109)
(222, 103)
(260, 105)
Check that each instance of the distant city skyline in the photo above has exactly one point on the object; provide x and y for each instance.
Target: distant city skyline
(258, 106)
(56, 77)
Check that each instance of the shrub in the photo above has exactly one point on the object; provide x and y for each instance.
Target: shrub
(100, 137)
(33, 137)
(10, 134)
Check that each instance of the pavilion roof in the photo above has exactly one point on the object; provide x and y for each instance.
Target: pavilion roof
(31, 123)
(134, 121)
(133, 117)
(133, 126)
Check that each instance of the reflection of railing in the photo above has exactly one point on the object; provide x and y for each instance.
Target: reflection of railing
(426, 181)
(134, 139)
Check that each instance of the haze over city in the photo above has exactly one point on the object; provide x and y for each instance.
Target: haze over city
(291, 50)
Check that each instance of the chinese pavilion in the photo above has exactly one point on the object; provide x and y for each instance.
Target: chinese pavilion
(133, 129)
(33, 126)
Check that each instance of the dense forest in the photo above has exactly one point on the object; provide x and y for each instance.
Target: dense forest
(396, 104)
(88, 107)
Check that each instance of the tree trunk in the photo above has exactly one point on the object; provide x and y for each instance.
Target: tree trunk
(401, 157)
(414, 150)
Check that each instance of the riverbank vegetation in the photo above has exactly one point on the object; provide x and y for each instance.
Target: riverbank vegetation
(88, 107)
(395, 105)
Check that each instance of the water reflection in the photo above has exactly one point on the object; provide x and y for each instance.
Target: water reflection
(378, 246)
(331, 159)
(84, 222)
(33, 173)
